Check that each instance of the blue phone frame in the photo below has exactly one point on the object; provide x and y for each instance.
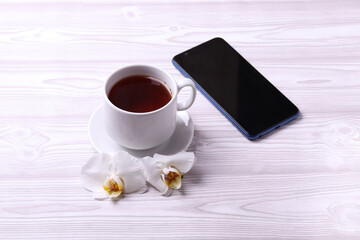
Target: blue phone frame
(250, 137)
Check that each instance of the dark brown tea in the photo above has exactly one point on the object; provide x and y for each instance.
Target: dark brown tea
(139, 94)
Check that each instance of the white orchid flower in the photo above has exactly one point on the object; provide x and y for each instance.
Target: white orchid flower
(110, 176)
(165, 172)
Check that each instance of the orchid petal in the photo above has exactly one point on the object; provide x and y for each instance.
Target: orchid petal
(115, 194)
(130, 170)
(100, 195)
(168, 192)
(95, 171)
(182, 161)
(153, 174)
(134, 182)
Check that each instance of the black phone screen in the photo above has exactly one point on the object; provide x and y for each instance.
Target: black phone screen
(236, 87)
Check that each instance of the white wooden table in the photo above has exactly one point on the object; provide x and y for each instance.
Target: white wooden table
(301, 182)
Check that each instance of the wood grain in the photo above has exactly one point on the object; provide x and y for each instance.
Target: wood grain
(300, 182)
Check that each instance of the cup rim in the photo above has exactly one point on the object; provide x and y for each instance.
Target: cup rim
(174, 93)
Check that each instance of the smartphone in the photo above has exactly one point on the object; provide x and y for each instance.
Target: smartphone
(236, 88)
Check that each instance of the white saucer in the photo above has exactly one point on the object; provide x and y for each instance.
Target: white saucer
(178, 142)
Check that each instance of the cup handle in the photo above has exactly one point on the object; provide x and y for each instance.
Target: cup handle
(185, 82)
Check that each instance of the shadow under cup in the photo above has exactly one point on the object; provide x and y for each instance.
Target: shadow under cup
(141, 130)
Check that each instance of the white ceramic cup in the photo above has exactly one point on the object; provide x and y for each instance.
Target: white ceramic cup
(149, 129)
